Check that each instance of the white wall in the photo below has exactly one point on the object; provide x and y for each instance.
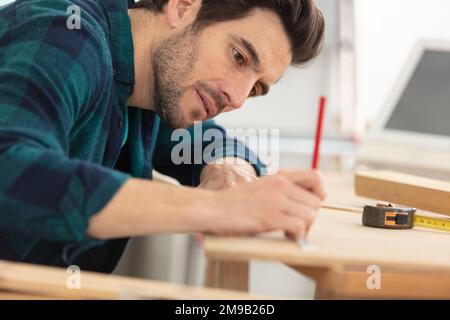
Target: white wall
(386, 32)
(2, 2)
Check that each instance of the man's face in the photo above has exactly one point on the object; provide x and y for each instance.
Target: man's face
(199, 75)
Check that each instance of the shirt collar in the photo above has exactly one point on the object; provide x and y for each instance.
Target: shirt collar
(121, 39)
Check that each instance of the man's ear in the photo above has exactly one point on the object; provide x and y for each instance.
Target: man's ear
(180, 12)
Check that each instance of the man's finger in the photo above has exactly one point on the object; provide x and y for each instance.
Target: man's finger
(294, 228)
(301, 195)
(300, 211)
(310, 180)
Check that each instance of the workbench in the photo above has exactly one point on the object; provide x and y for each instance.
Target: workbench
(344, 258)
(19, 281)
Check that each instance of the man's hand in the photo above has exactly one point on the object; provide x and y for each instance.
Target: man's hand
(225, 173)
(288, 201)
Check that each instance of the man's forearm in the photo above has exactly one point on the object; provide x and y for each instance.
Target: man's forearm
(143, 207)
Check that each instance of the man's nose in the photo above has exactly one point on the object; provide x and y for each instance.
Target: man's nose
(236, 92)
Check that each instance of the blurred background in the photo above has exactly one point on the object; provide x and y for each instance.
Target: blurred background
(385, 70)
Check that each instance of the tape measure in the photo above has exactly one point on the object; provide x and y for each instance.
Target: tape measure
(434, 223)
(391, 217)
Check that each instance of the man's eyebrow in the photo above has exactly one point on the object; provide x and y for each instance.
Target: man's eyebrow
(249, 47)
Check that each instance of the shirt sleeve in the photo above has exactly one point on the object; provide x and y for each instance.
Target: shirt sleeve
(49, 76)
(204, 143)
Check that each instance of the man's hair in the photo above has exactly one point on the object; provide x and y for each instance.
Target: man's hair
(303, 22)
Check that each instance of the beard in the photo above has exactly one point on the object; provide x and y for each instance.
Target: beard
(173, 63)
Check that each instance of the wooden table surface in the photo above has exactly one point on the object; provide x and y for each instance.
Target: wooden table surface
(413, 263)
(25, 281)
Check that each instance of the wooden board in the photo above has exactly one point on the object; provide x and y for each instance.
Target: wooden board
(408, 190)
(339, 238)
(343, 249)
(414, 263)
(351, 283)
(227, 275)
(24, 281)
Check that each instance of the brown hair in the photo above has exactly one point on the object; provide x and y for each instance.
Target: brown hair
(302, 20)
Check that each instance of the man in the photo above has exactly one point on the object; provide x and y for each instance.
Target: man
(89, 94)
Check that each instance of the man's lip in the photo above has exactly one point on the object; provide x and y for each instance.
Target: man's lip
(210, 105)
(203, 104)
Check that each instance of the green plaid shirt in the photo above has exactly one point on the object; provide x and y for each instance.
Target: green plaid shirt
(68, 140)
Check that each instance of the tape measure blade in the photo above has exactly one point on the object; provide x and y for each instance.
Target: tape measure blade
(434, 223)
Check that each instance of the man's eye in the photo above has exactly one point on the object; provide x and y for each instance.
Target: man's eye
(238, 57)
(255, 92)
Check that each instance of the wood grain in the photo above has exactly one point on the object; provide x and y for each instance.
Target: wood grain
(413, 191)
(24, 281)
(227, 275)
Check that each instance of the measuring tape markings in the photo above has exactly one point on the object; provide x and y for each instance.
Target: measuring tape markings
(429, 222)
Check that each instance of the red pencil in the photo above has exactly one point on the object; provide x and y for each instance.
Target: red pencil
(322, 104)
